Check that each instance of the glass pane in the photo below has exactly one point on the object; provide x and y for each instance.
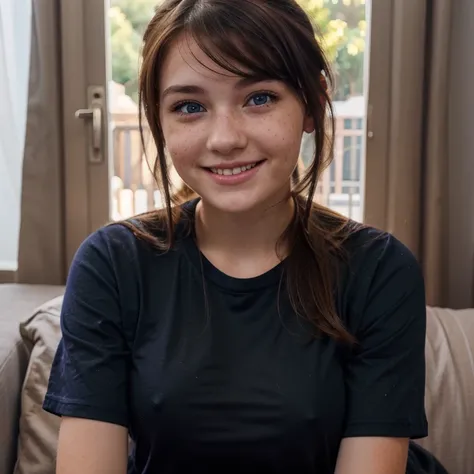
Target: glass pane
(341, 26)
(133, 188)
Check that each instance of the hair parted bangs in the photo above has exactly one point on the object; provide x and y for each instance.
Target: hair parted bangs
(250, 42)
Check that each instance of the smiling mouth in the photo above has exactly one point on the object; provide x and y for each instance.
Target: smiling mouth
(234, 171)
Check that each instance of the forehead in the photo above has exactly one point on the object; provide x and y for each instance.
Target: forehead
(185, 61)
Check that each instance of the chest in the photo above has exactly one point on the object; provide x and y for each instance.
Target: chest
(224, 367)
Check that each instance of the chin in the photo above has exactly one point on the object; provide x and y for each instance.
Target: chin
(243, 201)
(233, 204)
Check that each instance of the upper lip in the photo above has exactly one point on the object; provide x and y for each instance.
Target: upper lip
(230, 166)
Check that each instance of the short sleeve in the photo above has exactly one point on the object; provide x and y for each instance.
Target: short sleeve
(90, 369)
(386, 372)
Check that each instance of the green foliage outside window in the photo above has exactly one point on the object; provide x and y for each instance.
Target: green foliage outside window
(339, 24)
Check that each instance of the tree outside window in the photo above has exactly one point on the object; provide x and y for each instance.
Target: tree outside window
(340, 25)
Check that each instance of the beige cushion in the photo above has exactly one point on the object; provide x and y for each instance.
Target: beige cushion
(17, 302)
(38, 429)
(450, 388)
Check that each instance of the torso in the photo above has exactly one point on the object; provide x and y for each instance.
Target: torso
(222, 374)
(211, 373)
(221, 377)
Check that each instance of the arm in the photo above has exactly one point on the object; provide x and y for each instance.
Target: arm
(88, 385)
(91, 446)
(385, 374)
(372, 456)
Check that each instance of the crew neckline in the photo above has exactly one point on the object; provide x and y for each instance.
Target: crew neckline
(218, 277)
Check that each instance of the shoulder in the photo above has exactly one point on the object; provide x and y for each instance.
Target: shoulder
(381, 276)
(108, 245)
(375, 250)
(130, 247)
(148, 232)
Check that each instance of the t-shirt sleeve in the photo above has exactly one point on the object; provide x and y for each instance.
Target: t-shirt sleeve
(90, 369)
(386, 370)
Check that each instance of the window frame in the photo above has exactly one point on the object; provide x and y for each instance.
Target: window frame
(374, 169)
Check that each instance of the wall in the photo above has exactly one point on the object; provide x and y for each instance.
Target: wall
(461, 149)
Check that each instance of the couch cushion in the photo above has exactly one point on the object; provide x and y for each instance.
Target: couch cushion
(38, 430)
(450, 388)
(17, 302)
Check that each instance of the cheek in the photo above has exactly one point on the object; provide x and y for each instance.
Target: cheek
(283, 134)
(180, 143)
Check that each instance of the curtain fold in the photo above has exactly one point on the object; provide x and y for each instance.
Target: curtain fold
(435, 191)
(460, 176)
(419, 160)
(41, 246)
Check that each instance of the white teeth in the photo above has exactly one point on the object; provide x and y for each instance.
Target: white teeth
(233, 171)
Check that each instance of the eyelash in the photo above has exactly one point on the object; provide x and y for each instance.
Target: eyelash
(273, 98)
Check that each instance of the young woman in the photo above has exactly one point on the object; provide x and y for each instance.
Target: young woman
(248, 330)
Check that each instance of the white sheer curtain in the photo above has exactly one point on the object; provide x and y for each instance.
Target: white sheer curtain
(15, 40)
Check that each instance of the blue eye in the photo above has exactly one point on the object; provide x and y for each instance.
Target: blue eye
(190, 108)
(261, 99)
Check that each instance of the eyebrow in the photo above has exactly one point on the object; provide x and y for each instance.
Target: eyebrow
(193, 89)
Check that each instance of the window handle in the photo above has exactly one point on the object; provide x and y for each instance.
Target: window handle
(94, 115)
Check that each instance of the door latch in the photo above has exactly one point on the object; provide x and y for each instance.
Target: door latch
(94, 116)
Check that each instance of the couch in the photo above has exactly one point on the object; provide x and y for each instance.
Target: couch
(29, 333)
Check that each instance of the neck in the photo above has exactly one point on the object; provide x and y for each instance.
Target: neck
(248, 235)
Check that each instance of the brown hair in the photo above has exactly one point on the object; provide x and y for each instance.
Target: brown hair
(264, 40)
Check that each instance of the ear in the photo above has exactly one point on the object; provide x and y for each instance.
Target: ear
(308, 124)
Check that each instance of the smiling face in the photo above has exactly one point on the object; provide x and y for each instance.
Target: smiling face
(234, 141)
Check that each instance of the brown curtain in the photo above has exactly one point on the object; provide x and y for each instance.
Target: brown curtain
(41, 250)
(461, 157)
(416, 191)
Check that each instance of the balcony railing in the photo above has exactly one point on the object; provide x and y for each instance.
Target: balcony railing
(133, 188)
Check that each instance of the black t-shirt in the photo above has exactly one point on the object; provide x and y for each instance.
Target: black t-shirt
(211, 373)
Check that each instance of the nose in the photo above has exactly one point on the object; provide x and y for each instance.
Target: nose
(226, 134)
